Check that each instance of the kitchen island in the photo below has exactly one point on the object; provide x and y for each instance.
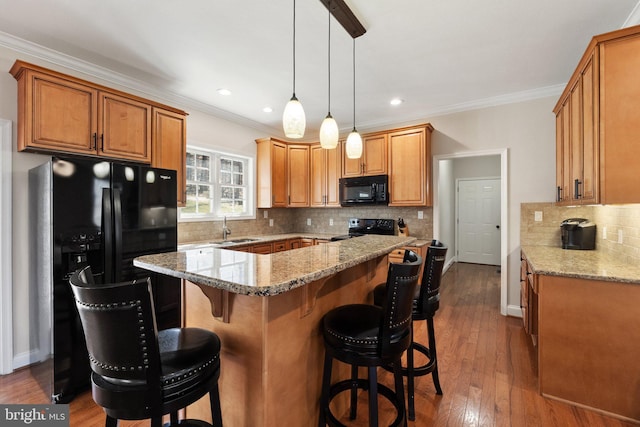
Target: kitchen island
(588, 328)
(266, 309)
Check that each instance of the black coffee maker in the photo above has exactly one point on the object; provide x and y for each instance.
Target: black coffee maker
(578, 233)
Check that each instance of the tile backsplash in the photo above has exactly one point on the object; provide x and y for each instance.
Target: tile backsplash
(296, 221)
(617, 220)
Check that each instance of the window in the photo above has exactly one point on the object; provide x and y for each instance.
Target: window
(218, 185)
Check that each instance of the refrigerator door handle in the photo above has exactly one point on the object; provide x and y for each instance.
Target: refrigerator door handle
(117, 236)
(107, 234)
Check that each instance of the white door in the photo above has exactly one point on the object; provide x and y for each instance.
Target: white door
(478, 222)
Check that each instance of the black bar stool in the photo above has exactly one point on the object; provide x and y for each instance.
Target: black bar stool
(371, 336)
(138, 371)
(425, 305)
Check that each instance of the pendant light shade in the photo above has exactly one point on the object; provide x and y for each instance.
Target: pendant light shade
(293, 118)
(329, 129)
(354, 140)
(329, 133)
(354, 145)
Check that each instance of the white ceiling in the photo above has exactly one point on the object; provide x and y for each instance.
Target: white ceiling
(439, 56)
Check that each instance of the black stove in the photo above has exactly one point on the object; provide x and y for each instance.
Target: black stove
(360, 227)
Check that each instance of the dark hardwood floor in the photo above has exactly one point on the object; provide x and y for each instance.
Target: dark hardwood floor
(487, 369)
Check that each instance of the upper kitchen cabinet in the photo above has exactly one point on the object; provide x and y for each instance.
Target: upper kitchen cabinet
(373, 160)
(410, 166)
(325, 177)
(298, 175)
(600, 119)
(272, 171)
(58, 113)
(169, 148)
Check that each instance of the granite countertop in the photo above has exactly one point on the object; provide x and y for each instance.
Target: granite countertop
(263, 275)
(254, 240)
(595, 265)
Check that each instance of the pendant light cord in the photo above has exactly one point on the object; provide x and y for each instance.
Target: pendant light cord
(329, 59)
(294, 48)
(354, 84)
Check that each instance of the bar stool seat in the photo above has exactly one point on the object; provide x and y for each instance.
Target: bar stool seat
(370, 336)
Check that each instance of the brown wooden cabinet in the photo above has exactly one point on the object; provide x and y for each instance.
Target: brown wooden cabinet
(61, 114)
(169, 148)
(373, 160)
(600, 123)
(410, 166)
(298, 175)
(325, 177)
(272, 170)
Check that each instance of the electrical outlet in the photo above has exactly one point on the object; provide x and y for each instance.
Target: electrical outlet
(604, 233)
(308, 221)
(620, 236)
(537, 216)
(420, 215)
(271, 222)
(331, 222)
(266, 214)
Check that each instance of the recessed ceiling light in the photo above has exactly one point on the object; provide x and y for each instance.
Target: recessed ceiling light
(267, 109)
(224, 92)
(396, 101)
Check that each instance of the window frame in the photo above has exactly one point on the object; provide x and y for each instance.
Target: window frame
(214, 180)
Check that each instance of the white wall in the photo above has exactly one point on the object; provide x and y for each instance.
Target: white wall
(527, 129)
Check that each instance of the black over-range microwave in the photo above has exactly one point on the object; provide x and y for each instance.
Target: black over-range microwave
(364, 190)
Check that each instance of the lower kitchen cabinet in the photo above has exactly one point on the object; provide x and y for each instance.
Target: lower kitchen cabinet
(529, 299)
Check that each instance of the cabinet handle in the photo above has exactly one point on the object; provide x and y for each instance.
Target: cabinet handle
(94, 141)
(289, 199)
(559, 194)
(576, 189)
(101, 142)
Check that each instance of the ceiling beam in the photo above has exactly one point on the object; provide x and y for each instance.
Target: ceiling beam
(345, 17)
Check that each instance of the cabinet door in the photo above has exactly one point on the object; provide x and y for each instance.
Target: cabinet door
(124, 128)
(559, 158)
(58, 114)
(566, 150)
(408, 168)
(375, 154)
(333, 162)
(350, 167)
(298, 170)
(318, 176)
(575, 100)
(590, 146)
(170, 146)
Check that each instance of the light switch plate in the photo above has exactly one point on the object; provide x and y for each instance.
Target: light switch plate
(620, 239)
(604, 233)
(308, 221)
(420, 215)
(331, 222)
(271, 222)
(266, 214)
(538, 216)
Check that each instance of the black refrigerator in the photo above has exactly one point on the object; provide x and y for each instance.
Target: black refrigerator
(103, 214)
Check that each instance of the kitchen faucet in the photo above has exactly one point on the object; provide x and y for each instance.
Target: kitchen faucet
(225, 229)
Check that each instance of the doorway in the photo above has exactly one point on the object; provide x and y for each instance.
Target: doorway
(444, 202)
(478, 221)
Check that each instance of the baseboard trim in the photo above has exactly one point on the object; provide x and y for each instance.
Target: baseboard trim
(514, 310)
(27, 358)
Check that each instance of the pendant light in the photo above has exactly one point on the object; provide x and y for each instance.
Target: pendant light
(293, 118)
(354, 140)
(329, 128)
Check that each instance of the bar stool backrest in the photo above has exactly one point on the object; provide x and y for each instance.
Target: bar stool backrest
(120, 329)
(402, 280)
(429, 296)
